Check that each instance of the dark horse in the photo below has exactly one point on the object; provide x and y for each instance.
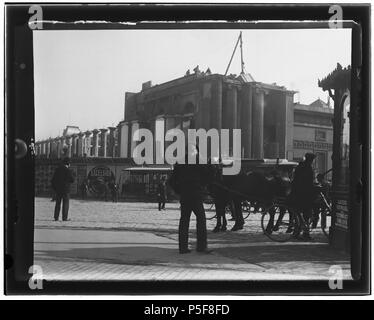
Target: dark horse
(254, 187)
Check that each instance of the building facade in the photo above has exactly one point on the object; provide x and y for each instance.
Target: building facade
(313, 132)
(202, 100)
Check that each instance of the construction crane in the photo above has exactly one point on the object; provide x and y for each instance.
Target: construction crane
(240, 40)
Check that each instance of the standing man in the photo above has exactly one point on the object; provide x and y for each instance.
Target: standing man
(303, 191)
(113, 190)
(162, 194)
(189, 180)
(84, 188)
(62, 178)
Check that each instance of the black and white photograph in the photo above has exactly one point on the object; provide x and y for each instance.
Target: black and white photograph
(192, 152)
(100, 215)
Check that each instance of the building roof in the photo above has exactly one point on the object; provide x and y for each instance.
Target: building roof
(319, 104)
(246, 77)
(70, 130)
(316, 106)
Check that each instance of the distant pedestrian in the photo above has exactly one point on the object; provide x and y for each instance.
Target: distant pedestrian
(84, 189)
(105, 190)
(162, 194)
(113, 188)
(62, 178)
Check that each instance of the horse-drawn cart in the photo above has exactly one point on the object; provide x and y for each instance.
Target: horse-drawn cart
(262, 188)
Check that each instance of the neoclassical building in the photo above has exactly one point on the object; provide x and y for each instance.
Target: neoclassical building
(263, 112)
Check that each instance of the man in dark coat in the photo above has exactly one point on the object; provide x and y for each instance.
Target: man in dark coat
(189, 180)
(62, 178)
(113, 190)
(162, 194)
(303, 191)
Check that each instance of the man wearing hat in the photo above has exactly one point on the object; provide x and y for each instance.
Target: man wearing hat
(189, 180)
(303, 191)
(62, 178)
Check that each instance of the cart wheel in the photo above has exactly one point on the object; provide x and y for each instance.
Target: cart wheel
(279, 224)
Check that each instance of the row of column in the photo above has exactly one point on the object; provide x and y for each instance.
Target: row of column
(243, 110)
(232, 110)
(158, 127)
(95, 143)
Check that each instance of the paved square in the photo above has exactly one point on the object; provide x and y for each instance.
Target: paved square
(135, 241)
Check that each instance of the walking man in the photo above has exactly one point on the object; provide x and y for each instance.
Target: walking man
(162, 191)
(113, 190)
(62, 178)
(188, 180)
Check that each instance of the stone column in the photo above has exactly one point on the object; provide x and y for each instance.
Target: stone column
(48, 150)
(232, 104)
(95, 142)
(116, 142)
(231, 113)
(246, 121)
(81, 144)
(216, 105)
(64, 149)
(134, 127)
(74, 139)
(110, 152)
(54, 148)
(159, 140)
(124, 140)
(87, 149)
(258, 124)
(169, 124)
(205, 105)
(42, 149)
(59, 147)
(69, 144)
(103, 143)
(36, 149)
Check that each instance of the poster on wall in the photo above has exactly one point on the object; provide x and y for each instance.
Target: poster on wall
(98, 179)
(342, 214)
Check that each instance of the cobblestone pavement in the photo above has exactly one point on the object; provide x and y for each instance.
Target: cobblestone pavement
(134, 241)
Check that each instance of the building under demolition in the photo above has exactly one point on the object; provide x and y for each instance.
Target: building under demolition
(263, 112)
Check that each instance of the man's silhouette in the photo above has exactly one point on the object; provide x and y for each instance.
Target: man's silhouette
(62, 178)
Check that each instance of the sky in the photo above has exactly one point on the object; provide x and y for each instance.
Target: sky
(80, 77)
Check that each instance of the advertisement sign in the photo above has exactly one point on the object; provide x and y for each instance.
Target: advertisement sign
(98, 179)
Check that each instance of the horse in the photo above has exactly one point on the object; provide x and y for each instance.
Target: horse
(254, 187)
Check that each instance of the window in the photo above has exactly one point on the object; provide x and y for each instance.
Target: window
(320, 135)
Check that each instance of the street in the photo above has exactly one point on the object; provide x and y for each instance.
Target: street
(135, 241)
